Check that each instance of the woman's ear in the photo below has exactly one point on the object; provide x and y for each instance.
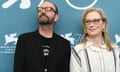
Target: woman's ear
(104, 25)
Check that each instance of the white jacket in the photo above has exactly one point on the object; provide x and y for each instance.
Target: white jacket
(92, 59)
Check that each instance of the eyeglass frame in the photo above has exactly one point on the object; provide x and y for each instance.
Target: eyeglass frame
(94, 21)
(46, 9)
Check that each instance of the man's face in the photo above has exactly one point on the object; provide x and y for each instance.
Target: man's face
(46, 14)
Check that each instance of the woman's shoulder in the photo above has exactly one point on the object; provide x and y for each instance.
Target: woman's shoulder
(116, 47)
(79, 47)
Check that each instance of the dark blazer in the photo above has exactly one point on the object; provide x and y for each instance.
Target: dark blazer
(29, 58)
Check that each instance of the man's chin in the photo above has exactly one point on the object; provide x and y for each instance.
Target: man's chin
(42, 23)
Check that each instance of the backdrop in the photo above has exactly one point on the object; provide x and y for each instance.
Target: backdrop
(20, 16)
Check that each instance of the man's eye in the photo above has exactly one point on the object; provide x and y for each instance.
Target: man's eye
(48, 9)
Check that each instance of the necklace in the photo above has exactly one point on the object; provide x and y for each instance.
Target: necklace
(46, 50)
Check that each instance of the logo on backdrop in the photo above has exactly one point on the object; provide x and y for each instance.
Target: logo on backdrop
(11, 38)
(81, 7)
(73, 38)
(117, 38)
(9, 45)
(25, 4)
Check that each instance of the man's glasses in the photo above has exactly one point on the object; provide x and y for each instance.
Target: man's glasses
(95, 21)
(47, 9)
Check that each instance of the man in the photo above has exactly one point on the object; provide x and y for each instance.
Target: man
(43, 50)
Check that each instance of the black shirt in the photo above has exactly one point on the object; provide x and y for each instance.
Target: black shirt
(46, 45)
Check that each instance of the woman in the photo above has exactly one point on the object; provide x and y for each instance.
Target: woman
(96, 52)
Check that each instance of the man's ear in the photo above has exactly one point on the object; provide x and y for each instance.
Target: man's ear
(56, 17)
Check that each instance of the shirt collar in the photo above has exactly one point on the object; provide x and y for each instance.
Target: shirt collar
(91, 46)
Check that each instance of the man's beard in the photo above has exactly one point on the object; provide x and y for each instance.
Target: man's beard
(44, 20)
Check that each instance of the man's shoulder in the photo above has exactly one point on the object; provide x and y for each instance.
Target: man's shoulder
(61, 38)
(28, 34)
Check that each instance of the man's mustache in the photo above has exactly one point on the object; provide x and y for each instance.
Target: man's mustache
(43, 15)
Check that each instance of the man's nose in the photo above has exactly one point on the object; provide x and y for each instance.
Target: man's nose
(43, 10)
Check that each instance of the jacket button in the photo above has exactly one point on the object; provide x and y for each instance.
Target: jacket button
(45, 70)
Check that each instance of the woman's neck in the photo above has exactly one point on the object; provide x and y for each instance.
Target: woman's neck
(97, 40)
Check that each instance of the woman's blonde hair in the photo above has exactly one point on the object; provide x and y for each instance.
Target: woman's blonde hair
(105, 32)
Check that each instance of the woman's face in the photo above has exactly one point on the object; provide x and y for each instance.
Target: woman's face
(94, 24)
